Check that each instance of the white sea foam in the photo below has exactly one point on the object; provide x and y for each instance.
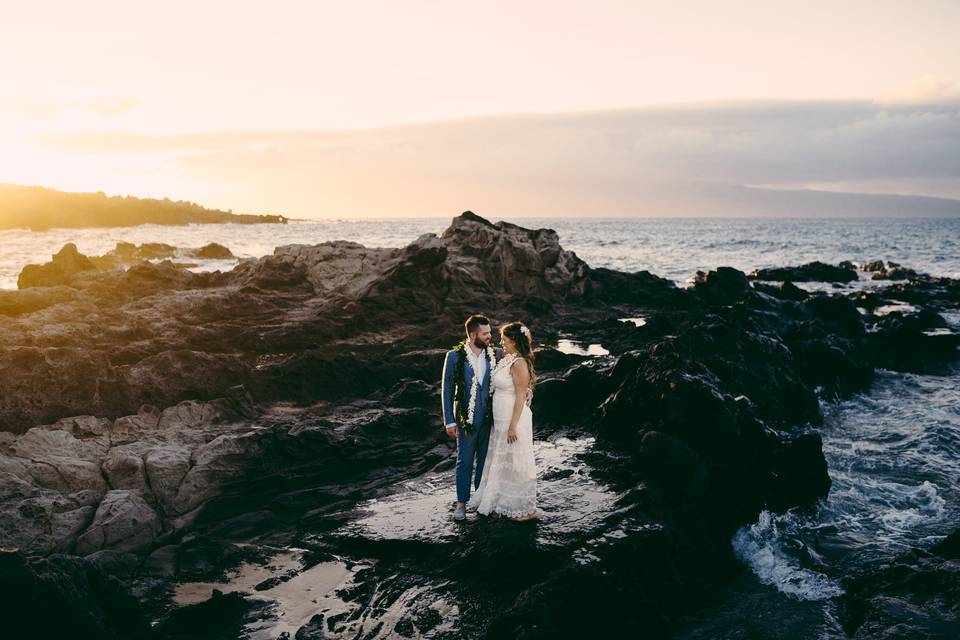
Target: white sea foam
(760, 546)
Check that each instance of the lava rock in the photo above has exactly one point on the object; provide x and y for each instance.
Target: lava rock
(725, 285)
(811, 271)
(66, 262)
(915, 595)
(211, 251)
(65, 597)
(123, 522)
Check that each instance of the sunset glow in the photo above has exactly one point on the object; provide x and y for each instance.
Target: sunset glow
(161, 98)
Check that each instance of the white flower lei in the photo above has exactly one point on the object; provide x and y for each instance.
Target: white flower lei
(475, 387)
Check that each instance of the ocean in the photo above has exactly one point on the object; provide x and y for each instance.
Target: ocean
(672, 248)
(893, 452)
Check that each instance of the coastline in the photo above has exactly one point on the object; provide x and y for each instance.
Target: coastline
(264, 405)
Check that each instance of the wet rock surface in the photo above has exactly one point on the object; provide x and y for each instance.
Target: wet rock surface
(923, 582)
(259, 452)
(816, 271)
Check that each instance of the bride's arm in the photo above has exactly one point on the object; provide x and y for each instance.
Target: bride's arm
(521, 380)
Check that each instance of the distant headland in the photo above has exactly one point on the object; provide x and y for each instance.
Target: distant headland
(40, 208)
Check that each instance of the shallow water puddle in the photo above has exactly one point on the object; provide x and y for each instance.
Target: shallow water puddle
(390, 615)
(568, 498)
(902, 307)
(293, 602)
(575, 348)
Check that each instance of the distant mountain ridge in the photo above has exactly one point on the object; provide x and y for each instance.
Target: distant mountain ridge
(40, 208)
(748, 201)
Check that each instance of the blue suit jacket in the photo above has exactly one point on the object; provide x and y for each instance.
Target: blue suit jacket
(483, 395)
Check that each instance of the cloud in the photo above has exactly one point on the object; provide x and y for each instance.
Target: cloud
(111, 107)
(927, 89)
(36, 109)
(686, 160)
(105, 107)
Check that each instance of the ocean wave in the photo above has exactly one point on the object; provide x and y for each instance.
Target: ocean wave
(761, 546)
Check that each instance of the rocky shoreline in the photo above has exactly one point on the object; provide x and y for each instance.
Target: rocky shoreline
(160, 427)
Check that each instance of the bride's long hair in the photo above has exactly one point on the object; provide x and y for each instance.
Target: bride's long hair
(524, 341)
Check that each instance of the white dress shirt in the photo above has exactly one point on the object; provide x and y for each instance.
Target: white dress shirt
(478, 361)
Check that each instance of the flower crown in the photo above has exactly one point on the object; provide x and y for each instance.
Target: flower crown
(525, 330)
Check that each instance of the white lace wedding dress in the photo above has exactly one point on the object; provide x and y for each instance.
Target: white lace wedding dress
(508, 485)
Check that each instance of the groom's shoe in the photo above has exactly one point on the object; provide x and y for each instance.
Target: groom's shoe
(460, 513)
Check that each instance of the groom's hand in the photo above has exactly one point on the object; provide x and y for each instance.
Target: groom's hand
(452, 430)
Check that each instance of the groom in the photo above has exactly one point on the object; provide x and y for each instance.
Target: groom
(467, 410)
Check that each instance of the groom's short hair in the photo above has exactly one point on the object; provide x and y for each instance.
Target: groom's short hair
(473, 322)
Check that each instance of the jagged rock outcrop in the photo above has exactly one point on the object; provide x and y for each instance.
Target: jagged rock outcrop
(811, 271)
(65, 263)
(211, 251)
(473, 261)
(126, 254)
(123, 522)
(85, 484)
(887, 270)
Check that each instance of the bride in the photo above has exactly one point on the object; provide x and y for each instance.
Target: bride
(508, 486)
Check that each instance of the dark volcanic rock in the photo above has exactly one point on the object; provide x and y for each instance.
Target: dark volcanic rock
(890, 271)
(642, 288)
(504, 257)
(915, 595)
(839, 312)
(709, 391)
(222, 617)
(938, 293)
(64, 265)
(784, 291)
(912, 342)
(878, 265)
(830, 347)
(812, 271)
(65, 597)
(212, 251)
(726, 285)
(126, 254)
(867, 300)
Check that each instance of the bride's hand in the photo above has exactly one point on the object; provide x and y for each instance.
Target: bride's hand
(511, 435)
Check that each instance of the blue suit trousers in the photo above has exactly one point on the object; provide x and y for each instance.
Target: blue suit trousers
(470, 449)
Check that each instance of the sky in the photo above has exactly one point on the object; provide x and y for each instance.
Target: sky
(341, 109)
